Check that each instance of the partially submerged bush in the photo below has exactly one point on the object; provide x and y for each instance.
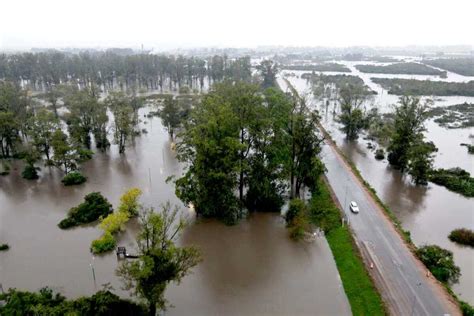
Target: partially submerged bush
(94, 207)
(455, 179)
(379, 154)
(462, 236)
(440, 262)
(105, 243)
(4, 247)
(73, 178)
(297, 219)
(4, 169)
(30, 172)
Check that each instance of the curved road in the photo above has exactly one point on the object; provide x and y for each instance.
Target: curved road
(404, 283)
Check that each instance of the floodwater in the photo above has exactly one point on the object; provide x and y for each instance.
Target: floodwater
(249, 268)
(430, 213)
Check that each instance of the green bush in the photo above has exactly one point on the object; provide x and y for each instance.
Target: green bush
(105, 243)
(462, 236)
(94, 207)
(73, 178)
(466, 309)
(455, 179)
(4, 247)
(30, 172)
(440, 262)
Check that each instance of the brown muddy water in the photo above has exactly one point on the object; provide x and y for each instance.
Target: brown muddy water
(248, 269)
(430, 213)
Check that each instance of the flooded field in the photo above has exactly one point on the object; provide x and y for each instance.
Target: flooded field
(250, 268)
(430, 213)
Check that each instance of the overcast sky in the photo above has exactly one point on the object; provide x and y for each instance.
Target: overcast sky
(237, 23)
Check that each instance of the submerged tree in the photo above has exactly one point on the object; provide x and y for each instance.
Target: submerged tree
(65, 155)
(269, 70)
(352, 117)
(410, 115)
(124, 116)
(160, 261)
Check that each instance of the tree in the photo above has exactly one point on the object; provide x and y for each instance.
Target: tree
(268, 69)
(410, 115)
(129, 202)
(43, 126)
(9, 133)
(160, 261)
(421, 161)
(124, 117)
(304, 145)
(210, 146)
(65, 156)
(82, 106)
(31, 157)
(353, 119)
(170, 115)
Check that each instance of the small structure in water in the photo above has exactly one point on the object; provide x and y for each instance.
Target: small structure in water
(122, 254)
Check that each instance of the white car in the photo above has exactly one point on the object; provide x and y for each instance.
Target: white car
(354, 208)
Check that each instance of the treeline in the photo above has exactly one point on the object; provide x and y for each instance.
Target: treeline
(37, 133)
(41, 71)
(318, 67)
(329, 86)
(248, 148)
(462, 66)
(47, 302)
(425, 87)
(401, 68)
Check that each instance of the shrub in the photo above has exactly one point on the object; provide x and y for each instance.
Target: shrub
(94, 207)
(297, 219)
(30, 172)
(462, 236)
(84, 154)
(379, 154)
(466, 309)
(105, 243)
(295, 208)
(129, 202)
(323, 212)
(73, 178)
(440, 262)
(114, 222)
(4, 247)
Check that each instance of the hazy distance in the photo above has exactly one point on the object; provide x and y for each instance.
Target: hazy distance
(244, 23)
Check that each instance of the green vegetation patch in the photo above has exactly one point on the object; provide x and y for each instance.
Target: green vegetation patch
(440, 262)
(319, 67)
(454, 116)
(462, 66)
(358, 286)
(73, 178)
(425, 87)
(4, 247)
(454, 179)
(94, 207)
(46, 302)
(462, 236)
(401, 68)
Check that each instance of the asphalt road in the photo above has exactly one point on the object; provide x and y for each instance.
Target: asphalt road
(402, 280)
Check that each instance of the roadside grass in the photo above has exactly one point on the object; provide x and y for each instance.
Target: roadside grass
(358, 285)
